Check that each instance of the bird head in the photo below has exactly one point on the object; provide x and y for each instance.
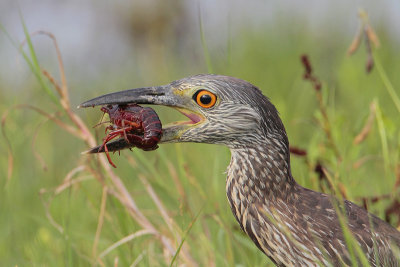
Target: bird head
(221, 110)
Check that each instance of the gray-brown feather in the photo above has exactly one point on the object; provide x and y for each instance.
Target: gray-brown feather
(292, 225)
(296, 226)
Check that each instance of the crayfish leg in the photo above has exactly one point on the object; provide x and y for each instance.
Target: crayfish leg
(109, 137)
(124, 129)
(108, 156)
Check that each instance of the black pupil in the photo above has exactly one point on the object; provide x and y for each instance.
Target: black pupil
(205, 99)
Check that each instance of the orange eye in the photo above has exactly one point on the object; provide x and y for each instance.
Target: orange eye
(205, 98)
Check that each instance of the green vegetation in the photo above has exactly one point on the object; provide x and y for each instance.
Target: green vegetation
(61, 208)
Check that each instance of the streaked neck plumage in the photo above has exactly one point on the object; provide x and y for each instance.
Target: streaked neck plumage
(262, 194)
(261, 172)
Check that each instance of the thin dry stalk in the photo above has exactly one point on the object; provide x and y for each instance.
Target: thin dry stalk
(173, 227)
(63, 89)
(368, 32)
(208, 236)
(132, 161)
(46, 205)
(53, 117)
(77, 180)
(370, 59)
(338, 187)
(98, 175)
(10, 156)
(100, 221)
(123, 241)
(355, 44)
(35, 152)
(326, 126)
(138, 259)
(193, 181)
(68, 181)
(164, 214)
(177, 182)
(397, 183)
(363, 160)
(53, 81)
(298, 151)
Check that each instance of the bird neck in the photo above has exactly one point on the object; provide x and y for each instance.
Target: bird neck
(260, 173)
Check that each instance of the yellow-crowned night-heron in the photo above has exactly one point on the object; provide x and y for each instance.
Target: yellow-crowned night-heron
(292, 225)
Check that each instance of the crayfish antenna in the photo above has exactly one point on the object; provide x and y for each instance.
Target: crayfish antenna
(101, 121)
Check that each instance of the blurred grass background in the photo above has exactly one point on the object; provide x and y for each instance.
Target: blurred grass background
(138, 45)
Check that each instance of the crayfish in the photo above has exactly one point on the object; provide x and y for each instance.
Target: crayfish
(139, 126)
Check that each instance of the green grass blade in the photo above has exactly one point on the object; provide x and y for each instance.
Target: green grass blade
(204, 45)
(185, 235)
(383, 136)
(352, 244)
(388, 85)
(34, 63)
(25, 56)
